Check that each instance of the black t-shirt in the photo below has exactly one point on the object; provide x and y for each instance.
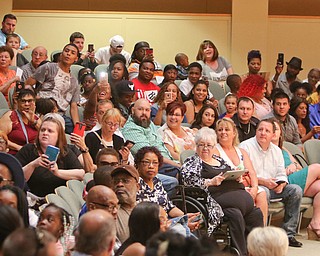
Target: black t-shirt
(209, 171)
(42, 181)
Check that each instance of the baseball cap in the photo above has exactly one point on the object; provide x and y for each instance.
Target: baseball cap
(125, 86)
(14, 167)
(128, 169)
(117, 41)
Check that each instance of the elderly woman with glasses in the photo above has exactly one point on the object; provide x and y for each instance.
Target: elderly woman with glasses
(21, 125)
(106, 137)
(206, 171)
(147, 161)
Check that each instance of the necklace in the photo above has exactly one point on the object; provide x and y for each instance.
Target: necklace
(248, 130)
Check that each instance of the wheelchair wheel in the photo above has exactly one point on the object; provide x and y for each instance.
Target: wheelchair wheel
(192, 205)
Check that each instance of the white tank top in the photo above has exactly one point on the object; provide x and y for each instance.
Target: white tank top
(224, 156)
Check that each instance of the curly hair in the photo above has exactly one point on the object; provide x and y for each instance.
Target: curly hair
(251, 86)
(142, 151)
(298, 85)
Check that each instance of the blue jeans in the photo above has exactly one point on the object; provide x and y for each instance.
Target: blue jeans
(291, 197)
(169, 183)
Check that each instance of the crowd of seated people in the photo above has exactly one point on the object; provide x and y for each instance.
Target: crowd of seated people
(149, 118)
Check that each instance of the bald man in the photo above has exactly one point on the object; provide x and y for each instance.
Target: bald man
(102, 197)
(38, 55)
(95, 234)
(142, 131)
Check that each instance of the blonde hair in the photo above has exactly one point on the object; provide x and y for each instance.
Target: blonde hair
(112, 113)
(267, 241)
(229, 122)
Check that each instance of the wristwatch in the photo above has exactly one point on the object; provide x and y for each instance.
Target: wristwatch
(86, 150)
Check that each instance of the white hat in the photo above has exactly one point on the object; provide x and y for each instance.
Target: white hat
(117, 41)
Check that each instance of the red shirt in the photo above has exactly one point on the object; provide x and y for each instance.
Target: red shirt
(148, 91)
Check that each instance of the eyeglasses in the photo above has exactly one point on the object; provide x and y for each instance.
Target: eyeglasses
(115, 125)
(123, 181)
(23, 101)
(176, 115)
(103, 163)
(148, 163)
(3, 180)
(205, 146)
(108, 207)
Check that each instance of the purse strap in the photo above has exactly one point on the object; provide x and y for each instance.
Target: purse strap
(23, 126)
(101, 140)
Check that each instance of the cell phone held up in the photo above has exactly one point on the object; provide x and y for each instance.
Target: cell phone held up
(19, 86)
(168, 96)
(79, 129)
(149, 51)
(52, 152)
(280, 59)
(90, 48)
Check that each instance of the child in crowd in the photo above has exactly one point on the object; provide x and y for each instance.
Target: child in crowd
(233, 81)
(13, 41)
(182, 65)
(58, 222)
(230, 103)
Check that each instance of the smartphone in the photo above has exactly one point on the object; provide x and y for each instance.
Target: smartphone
(280, 182)
(79, 128)
(199, 217)
(129, 144)
(149, 51)
(52, 152)
(90, 48)
(280, 60)
(168, 95)
(19, 86)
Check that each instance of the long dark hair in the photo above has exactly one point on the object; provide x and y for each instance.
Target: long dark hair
(198, 121)
(294, 104)
(22, 203)
(144, 222)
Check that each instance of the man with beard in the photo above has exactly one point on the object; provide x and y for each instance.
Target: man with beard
(289, 126)
(125, 184)
(143, 132)
(142, 84)
(284, 80)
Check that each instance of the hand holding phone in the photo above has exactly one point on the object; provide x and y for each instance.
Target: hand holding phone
(280, 59)
(52, 152)
(129, 144)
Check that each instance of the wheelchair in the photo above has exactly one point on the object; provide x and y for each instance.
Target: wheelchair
(192, 199)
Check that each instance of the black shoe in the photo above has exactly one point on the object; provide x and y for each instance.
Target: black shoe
(293, 242)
